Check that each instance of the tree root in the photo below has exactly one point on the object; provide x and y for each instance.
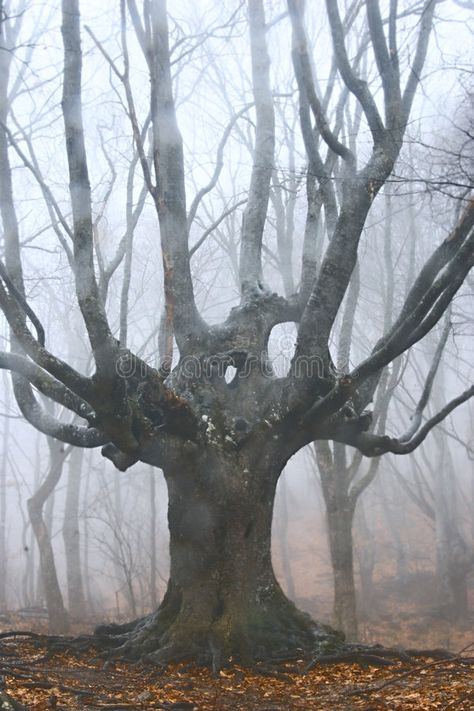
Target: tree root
(449, 658)
(9, 704)
(376, 655)
(264, 641)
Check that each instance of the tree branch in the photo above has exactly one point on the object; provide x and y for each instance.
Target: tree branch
(386, 61)
(426, 25)
(417, 415)
(218, 167)
(255, 213)
(304, 77)
(356, 86)
(23, 304)
(170, 197)
(215, 224)
(46, 384)
(375, 445)
(76, 382)
(48, 425)
(104, 346)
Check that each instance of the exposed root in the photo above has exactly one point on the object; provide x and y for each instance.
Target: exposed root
(438, 656)
(9, 704)
(264, 638)
(376, 655)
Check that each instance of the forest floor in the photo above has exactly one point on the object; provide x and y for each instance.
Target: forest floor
(42, 680)
(394, 614)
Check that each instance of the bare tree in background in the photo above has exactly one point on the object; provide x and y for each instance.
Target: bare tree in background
(223, 445)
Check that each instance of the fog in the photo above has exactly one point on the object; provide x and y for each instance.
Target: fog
(377, 543)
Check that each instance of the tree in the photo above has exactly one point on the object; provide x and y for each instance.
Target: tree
(223, 441)
(58, 618)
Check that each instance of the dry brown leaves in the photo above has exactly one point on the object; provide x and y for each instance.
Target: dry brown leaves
(43, 681)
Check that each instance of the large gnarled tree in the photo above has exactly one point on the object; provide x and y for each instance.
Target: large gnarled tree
(222, 443)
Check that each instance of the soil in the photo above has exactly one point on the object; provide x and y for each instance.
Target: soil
(41, 681)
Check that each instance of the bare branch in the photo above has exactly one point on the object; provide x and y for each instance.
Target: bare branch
(76, 382)
(356, 86)
(375, 445)
(170, 197)
(386, 60)
(417, 415)
(48, 425)
(218, 167)
(104, 346)
(255, 213)
(429, 296)
(46, 384)
(426, 25)
(215, 225)
(304, 77)
(52, 206)
(23, 304)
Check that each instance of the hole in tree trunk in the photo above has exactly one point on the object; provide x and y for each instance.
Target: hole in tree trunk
(230, 376)
(281, 346)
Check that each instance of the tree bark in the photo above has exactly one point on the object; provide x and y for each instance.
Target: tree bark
(3, 505)
(340, 506)
(71, 538)
(283, 533)
(153, 546)
(452, 564)
(57, 614)
(340, 519)
(223, 601)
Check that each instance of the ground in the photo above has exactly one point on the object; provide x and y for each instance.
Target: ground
(42, 681)
(401, 614)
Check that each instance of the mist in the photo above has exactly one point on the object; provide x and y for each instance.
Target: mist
(236, 304)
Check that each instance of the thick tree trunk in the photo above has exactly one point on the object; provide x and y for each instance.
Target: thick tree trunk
(223, 600)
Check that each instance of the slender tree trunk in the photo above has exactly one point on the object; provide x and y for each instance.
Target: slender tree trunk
(122, 562)
(85, 527)
(340, 515)
(394, 520)
(366, 557)
(3, 503)
(71, 537)
(283, 536)
(153, 561)
(451, 550)
(58, 618)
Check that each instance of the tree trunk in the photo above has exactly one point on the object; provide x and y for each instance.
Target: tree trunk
(340, 515)
(57, 614)
(366, 559)
(452, 560)
(283, 532)
(3, 503)
(153, 554)
(223, 600)
(71, 537)
(86, 572)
